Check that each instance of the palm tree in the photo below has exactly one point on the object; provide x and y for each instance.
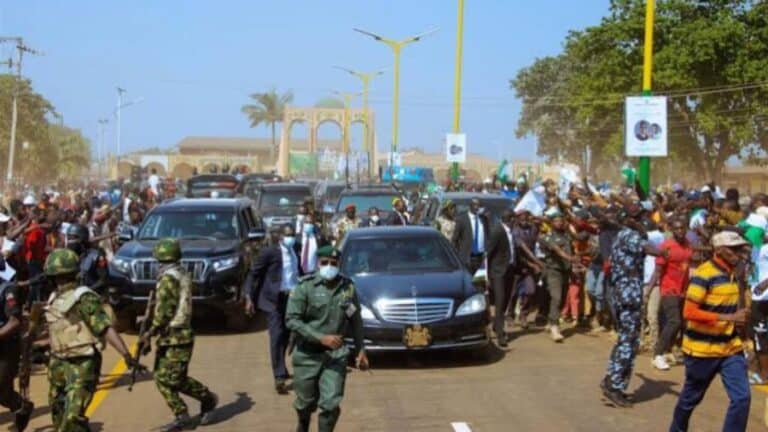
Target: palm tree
(268, 108)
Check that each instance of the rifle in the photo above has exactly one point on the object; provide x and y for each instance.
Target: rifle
(141, 348)
(28, 340)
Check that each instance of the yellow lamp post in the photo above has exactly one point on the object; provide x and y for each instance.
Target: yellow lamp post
(457, 83)
(365, 78)
(347, 98)
(644, 164)
(396, 46)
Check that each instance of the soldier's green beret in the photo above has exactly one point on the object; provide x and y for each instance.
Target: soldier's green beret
(328, 252)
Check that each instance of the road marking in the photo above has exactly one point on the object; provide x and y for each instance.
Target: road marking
(108, 384)
(460, 427)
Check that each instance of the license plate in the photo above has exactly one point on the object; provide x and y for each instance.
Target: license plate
(417, 336)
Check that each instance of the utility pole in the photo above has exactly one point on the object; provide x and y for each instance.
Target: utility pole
(20, 50)
(457, 84)
(347, 97)
(120, 92)
(644, 165)
(100, 149)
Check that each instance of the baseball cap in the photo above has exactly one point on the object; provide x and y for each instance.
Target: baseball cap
(29, 200)
(728, 239)
(4, 218)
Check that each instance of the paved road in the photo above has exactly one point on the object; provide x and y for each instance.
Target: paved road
(534, 385)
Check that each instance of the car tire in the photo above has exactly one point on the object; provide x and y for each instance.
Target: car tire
(238, 322)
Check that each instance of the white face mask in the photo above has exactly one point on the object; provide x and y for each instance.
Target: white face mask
(328, 272)
(375, 218)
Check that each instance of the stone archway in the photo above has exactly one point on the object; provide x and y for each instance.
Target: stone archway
(158, 167)
(314, 117)
(210, 168)
(183, 170)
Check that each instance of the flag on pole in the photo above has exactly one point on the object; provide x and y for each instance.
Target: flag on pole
(629, 174)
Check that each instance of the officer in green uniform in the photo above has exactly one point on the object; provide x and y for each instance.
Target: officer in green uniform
(320, 309)
(77, 327)
(172, 323)
(556, 245)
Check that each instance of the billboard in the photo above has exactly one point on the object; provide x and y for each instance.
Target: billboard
(645, 126)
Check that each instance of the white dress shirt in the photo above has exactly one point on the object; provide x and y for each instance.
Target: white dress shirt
(475, 219)
(309, 247)
(511, 241)
(290, 269)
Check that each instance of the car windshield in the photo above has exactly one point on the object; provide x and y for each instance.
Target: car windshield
(282, 199)
(332, 192)
(397, 255)
(217, 225)
(364, 202)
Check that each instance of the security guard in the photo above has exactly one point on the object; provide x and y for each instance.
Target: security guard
(319, 311)
(93, 261)
(77, 327)
(10, 344)
(172, 322)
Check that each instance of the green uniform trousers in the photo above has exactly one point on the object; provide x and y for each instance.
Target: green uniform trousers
(557, 283)
(171, 368)
(72, 384)
(318, 381)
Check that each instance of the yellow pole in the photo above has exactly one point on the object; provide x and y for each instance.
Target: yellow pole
(396, 100)
(457, 83)
(644, 165)
(366, 78)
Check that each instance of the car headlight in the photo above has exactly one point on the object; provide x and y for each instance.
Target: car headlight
(367, 314)
(472, 305)
(122, 265)
(226, 263)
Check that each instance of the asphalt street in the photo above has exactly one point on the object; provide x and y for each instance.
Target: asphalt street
(535, 385)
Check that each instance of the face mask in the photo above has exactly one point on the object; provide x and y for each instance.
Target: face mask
(309, 229)
(328, 272)
(289, 241)
(375, 218)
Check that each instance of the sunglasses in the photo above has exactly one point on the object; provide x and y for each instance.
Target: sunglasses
(327, 261)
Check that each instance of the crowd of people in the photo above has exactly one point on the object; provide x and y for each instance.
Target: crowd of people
(680, 272)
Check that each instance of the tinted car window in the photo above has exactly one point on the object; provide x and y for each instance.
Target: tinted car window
(287, 198)
(364, 202)
(191, 224)
(332, 192)
(397, 255)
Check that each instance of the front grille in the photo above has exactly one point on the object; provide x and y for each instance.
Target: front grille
(146, 270)
(415, 311)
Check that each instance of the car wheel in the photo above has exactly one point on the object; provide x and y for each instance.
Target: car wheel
(238, 322)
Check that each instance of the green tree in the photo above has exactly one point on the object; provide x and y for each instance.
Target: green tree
(268, 108)
(711, 60)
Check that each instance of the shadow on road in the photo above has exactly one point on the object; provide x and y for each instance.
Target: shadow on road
(7, 417)
(243, 403)
(653, 389)
(436, 359)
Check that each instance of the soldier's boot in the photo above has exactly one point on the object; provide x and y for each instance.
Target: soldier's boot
(182, 422)
(304, 419)
(326, 420)
(22, 415)
(207, 406)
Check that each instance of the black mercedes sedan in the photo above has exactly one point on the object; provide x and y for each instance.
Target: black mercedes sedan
(414, 293)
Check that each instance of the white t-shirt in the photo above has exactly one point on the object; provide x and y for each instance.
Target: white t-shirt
(760, 273)
(153, 181)
(655, 238)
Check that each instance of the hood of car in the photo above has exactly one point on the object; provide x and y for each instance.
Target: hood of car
(202, 248)
(374, 286)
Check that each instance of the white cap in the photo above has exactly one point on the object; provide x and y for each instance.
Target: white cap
(29, 200)
(4, 218)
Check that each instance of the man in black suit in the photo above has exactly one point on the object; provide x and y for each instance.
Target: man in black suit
(399, 216)
(469, 238)
(274, 274)
(501, 258)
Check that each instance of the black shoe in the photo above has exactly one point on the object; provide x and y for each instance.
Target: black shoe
(617, 398)
(502, 342)
(281, 387)
(207, 405)
(182, 422)
(21, 417)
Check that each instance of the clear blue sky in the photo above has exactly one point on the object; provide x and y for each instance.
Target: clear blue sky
(195, 62)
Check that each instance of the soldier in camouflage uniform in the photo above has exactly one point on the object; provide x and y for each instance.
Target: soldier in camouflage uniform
(349, 222)
(77, 326)
(319, 312)
(172, 323)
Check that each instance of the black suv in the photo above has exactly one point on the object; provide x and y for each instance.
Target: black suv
(278, 203)
(219, 239)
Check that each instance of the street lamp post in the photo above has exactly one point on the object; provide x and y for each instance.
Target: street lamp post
(366, 78)
(457, 84)
(118, 123)
(347, 97)
(99, 151)
(396, 46)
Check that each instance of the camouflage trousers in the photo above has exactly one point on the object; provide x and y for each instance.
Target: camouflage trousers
(622, 361)
(171, 368)
(72, 384)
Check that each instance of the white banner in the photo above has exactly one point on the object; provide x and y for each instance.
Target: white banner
(645, 126)
(456, 148)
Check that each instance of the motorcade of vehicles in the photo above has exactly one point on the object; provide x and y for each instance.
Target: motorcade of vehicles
(219, 240)
(414, 293)
(278, 203)
(212, 186)
(248, 181)
(327, 194)
(363, 197)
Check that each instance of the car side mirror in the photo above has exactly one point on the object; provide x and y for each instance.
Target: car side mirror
(256, 234)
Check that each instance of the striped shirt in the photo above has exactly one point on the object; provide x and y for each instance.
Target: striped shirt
(712, 289)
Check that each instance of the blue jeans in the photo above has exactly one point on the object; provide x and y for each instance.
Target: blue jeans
(699, 373)
(595, 282)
